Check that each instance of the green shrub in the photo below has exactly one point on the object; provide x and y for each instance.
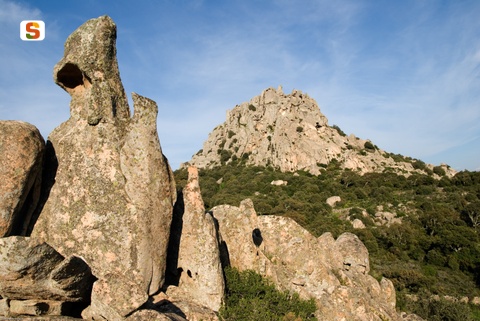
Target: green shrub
(339, 131)
(440, 310)
(369, 145)
(418, 164)
(225, 155)
(299, 129)
(252, 108)
(252, 298)
(435, 248)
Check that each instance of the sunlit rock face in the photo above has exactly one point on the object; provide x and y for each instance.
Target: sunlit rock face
(113, 195)
(289, 132)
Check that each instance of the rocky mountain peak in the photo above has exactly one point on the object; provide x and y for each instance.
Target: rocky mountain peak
(289, 132)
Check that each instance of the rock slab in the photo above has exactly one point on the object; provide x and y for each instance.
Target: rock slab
(30, 269)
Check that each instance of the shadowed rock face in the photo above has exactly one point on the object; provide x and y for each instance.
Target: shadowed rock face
(21, 156)
(197, 265)
(33, 270)
(113, 196)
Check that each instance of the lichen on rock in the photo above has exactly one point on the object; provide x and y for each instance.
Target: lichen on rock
(113, 196)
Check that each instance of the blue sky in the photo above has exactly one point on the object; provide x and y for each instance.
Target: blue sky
(405, 74)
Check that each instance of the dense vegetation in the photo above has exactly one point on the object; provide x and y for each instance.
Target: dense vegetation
(434, 251)
(250, 297)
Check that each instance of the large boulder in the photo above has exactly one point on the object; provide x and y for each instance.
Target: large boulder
(197, 266)
(332, 272)
(113, 196)
(21, 156)
(30, 269)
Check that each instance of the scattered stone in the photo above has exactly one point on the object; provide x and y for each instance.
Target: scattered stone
(333, 200)
(358, 224)
(21, 157)
(387, 219)
(279, 183)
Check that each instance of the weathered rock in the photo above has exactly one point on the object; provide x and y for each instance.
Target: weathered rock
(151, 315)
(358, 224)
(387, 218)
(199, 270)
(113, 301)
(279, 183)
(333, 200)
(354, 253)
(21, 156)
(30, 269)
(176, 307)
(4, 307)
(333, 272)
(38, 307)
(113, 196)
(288, 132)
(150, 187)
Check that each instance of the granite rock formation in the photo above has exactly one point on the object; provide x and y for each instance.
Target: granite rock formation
(21, 158)
(113, 196)
(288, 132)
(107, 212)
(333, 272)
(198, 270)
(35, 279)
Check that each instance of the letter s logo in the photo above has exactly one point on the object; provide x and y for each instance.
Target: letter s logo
(32, 27)
(32, 30)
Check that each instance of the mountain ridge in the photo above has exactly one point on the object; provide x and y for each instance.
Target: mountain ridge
(289, 132)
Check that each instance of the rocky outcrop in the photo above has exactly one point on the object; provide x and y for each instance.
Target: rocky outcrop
(288, 132)
(36, 280)
(198, 269)
(105, 218)
(113, 196)
(333, 272)
(21, 156)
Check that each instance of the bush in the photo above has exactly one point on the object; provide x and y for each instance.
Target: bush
(339, 131)
(369, 145)
(299, 129)
(440, 310)
(439, 171)
(250, 297)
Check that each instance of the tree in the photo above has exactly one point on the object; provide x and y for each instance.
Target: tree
(472, 211)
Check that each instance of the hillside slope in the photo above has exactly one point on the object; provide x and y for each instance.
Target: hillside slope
(288, 132)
